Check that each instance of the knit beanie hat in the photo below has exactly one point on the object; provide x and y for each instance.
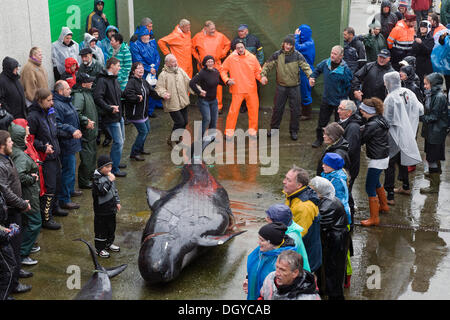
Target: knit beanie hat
(103, 160)
(280, 213)
(273, 232)
(333, 160)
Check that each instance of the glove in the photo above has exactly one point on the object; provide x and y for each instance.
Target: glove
(15, 229)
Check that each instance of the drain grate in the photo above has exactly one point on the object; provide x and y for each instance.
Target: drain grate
(406, 227)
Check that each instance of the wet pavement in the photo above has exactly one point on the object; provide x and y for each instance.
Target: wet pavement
(412, 263)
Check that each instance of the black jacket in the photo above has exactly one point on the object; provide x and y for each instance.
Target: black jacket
(357, 58)
(333, 217)
(135, 109)
(352, 133)
(44, 128)
(10, 185)
(104, 194)
(12, 95)
(369, 79)
(5, 119)
(422, 52)
(341, 148)
(107, 93)
(3, 218)
(387, 21)
(411, 82)
(376, 137)
(208, 80)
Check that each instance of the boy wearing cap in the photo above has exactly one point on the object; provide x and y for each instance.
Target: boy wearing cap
(272, 240)
(106, 204)
(83, 100)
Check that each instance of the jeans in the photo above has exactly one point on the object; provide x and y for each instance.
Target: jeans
(117, 132)
(68, 168)
(373, 181)
(325, 113)
(209, 111)
(143, 128)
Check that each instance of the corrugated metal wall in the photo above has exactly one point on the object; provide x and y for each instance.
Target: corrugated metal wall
(270, 20)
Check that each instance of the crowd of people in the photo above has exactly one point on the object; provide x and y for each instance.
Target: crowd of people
(379, 86)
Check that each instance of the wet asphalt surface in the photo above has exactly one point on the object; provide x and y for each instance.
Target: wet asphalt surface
(406, 257)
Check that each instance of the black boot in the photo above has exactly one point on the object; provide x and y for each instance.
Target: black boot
(46, 212)
(58, 211)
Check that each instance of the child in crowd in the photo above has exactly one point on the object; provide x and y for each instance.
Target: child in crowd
(106, 205)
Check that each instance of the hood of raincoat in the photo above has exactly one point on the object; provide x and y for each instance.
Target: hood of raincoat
(69, 62)
(87, 40)
(409, 71)
(64, 32)
(306, 33)
(436, 81)
(323, 187)
(17, 133)
(109, 28)
(392, 81)
(385, 3)
(9, 64)
(95, 6)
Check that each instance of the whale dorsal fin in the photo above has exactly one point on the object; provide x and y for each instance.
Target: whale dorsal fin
(153, 195)
(211, 240)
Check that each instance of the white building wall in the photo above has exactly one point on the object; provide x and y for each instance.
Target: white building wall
(25, 24)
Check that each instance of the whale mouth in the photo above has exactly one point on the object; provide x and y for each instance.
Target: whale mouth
(153, 235)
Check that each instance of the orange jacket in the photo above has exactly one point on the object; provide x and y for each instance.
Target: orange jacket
(217, 46)
(244, 70)
(439, 28)
(401, 37)
(180, 45)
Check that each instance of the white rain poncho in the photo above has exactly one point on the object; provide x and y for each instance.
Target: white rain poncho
(402, 110)
(97, 51)
(60, 52)
(323, 187)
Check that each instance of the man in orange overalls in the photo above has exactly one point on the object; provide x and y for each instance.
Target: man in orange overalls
(179, 43)
(213, 43)
(240, 71)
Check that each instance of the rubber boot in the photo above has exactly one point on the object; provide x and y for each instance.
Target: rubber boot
(381, 193)
(374, 207)
(46, 206)
(435, 180)
(306, 112)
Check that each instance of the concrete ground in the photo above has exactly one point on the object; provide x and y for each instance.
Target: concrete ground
(406, 257)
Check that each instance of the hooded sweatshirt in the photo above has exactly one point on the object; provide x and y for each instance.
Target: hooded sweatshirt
(402, 110)
(105, 43)
(12, 95)
(61, 51)
(95, 20)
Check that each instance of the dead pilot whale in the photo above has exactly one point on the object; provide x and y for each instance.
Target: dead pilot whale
(193, 215)
(98, 287)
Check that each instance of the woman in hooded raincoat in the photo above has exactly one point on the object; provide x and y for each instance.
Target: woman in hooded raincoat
(334, 237)
(62, 49)
(435, 128)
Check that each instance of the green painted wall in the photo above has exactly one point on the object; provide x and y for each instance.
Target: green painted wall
(73, 14)
(270, 20)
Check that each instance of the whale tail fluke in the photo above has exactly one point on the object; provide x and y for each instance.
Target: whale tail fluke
(211, 240)
(112, 272)
(93, 254)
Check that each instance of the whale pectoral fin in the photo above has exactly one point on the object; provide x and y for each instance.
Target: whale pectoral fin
(154, 195)
(112, 272)
(211, 241)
